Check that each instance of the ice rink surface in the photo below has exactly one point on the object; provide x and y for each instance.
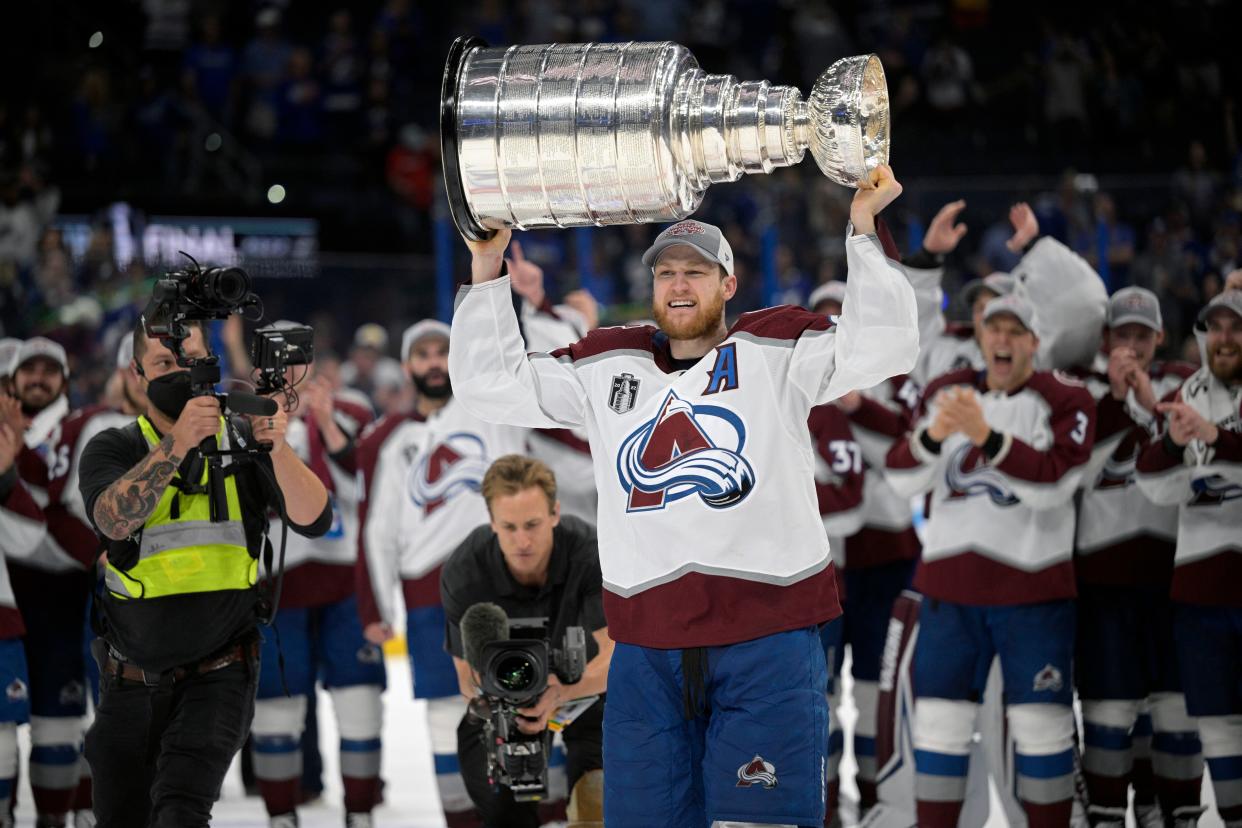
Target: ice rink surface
(410, 794)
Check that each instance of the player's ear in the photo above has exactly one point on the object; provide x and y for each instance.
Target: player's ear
(729, 284)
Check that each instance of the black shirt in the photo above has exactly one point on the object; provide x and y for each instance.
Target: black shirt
(572, 595)
(176, 630)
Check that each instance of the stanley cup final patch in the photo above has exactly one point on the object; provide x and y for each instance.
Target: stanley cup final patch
(757, 772)
(624, 393)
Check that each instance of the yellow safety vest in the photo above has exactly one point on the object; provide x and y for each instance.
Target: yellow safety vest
(189, 553)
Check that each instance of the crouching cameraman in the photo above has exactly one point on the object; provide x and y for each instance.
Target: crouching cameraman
(529, 563)
(179, 609)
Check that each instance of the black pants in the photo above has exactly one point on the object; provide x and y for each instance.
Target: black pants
(159, 754)
(584, 751)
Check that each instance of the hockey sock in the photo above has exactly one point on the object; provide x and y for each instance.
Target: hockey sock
(55, 750)
(942, 736)
(1222, 748)
(83, 799)
(1142, 778)
(1044, 761)
(1107, 762)
(278, 769)
(276, 748)
(1176, 756)
(866, 694)
(359, 715)
(8, 767)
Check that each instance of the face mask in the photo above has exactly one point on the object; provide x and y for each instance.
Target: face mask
(170, 393)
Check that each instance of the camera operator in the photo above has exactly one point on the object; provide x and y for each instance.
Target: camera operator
(532, 563)
(179, 643)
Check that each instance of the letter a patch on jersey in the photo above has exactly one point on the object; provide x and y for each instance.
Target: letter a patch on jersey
(686, 450)
(723, 376)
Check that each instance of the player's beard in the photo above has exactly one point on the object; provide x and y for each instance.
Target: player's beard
(707, 320)
(1226, 369)
(32, 408)
(438, 391)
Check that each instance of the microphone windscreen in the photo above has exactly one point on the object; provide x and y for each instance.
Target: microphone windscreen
(242, 403)
(482, 624)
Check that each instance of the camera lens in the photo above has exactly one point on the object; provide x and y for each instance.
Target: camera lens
(515, 672)
(225, 285)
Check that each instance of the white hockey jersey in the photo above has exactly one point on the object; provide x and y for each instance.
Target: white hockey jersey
(423, 498)
(1123, 539)
(709, 529)
(319, 571)
(1205, 482)
(49, 469)
(1000, 530)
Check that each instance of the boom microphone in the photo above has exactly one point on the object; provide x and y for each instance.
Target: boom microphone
(252, 404)
(481, 625)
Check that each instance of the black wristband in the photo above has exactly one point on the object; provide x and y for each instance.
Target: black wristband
(345, 450)
(1027, 249)
(930, 443)
(924, 260)
(994, 443)
(8, 481)
(1171, 448)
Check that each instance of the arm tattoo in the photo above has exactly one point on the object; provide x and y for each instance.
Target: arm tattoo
(124, 506)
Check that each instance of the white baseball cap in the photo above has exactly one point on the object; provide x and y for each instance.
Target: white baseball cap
(833, 291)
(421, 330)
(40, 346)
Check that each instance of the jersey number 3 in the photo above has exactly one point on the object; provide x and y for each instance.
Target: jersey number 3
(1080, 427)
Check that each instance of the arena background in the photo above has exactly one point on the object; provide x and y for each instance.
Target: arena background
(300, 141)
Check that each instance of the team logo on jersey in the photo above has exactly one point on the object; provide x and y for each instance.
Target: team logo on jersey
(370, 654)
(1048, 678)
(16, 691)
(73, 693)
(968, 475)
(686, 450)
(1213, 490)
(624, 393)
(757, 772)
(457, 464)
(1119, 468)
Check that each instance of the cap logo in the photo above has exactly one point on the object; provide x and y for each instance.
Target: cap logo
(685, 228)
(1135, 301)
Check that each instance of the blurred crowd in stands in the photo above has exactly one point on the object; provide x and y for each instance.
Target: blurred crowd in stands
(1119, 127)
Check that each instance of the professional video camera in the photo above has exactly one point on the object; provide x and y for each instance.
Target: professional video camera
(197, 294)
(514, 658)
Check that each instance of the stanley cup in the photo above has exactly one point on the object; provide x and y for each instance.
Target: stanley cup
(576, 134)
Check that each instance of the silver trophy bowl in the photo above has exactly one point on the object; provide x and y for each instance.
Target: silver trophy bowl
(575, 134)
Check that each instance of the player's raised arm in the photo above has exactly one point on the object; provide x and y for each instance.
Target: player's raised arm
(877, 334)
(493, 376)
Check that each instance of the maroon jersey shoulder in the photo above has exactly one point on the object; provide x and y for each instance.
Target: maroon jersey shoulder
(780, 322)
(376, 434)
(959, 330)
(1060, 390)
(603, 340)
(75, 422)
(962, 376)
